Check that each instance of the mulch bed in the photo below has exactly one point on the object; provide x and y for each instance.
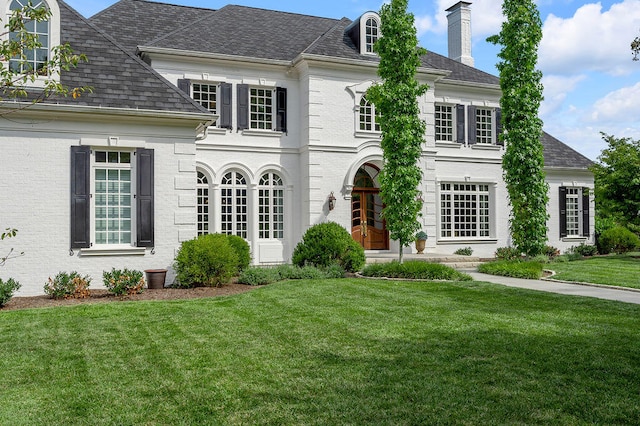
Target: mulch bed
(103, 296)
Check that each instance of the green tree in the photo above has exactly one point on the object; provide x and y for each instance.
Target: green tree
(617, 181)
(635, 48)
(396, 100)
(18, 45)
(523, 161)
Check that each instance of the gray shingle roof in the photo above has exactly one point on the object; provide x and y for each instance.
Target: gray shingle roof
(119, 78)
(560, 155)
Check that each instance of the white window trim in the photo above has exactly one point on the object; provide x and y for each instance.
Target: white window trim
(366, 133)
(271, 197)
(54, 41)
(112, 249)
(491, 238)
(493, 140)
(453, 123)
(363, 31)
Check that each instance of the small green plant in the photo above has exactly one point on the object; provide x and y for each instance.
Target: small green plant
(584, 250)
(268, 275)
(125, 281)
(68, 286)
(414, 269)
(530, 269)
(618, 240)
(464, 251)
(421, 235)
(551, 252)
(508, 253)
(7, 289)
(209, 260)
(326, 244)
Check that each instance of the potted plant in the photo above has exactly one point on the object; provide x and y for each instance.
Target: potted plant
(421, 239)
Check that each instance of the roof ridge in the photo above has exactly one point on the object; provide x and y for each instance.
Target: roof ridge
(97, 15)
(136, 58)
(177, 30)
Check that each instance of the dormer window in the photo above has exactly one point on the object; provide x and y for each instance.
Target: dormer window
(46, 34)
(371, 31)
(364, 32)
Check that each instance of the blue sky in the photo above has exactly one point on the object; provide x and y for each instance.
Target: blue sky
(591, 83)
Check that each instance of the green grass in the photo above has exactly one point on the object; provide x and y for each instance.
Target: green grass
(322, 352)
(620, 270)
(415, 269)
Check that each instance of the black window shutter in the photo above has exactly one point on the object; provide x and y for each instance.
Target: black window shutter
(144, 198)
(499, 140)
(585, 212)
(80, 196)
(563, 211)
(225, 109)
(243, 106)
(472, 125)
(281, 109)
(460, 120)
(185, 85)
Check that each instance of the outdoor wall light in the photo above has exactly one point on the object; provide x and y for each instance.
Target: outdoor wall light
(332, 201)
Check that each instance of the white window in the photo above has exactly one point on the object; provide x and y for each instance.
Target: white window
(573, 211)
(271, 207)
(371, 34)
(36, 58)
(444, 122)
(464, 210)
(484, 126)
(113, 200)
(234, 205)
(367, 117)
(261, 104)
(206, 95)
(203, 204)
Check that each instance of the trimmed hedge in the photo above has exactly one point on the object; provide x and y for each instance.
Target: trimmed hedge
(415, 269)
(326, 244)
(513, 268)
(209, 260)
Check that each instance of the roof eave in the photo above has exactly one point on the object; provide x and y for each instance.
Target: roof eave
(152, 50)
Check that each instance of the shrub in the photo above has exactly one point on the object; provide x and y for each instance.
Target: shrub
(584, 250)
(125, 281)
(540, 258)
(551, 252)
(241, 247)
(68, 286)
(513, 268)
(267, 275)
(414, 269)
(326, 244)
(619, 240)
(508, 253)
(209, 260)
(7, 288)
(466, 251)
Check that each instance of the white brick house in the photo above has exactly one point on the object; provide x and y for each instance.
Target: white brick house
(248, 121)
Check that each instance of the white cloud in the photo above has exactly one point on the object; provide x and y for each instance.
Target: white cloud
(486, 18)
(592, 39)
(622, 105)
(556, 89)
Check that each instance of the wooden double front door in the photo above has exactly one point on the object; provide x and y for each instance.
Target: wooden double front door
(367, 225)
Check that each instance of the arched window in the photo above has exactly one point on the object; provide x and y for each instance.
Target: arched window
(203, 204)
(36, 58)
(234, 205)
(367, 120)
(271, 207)
(371, 34)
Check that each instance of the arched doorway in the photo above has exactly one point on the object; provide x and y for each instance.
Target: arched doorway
(367, 226)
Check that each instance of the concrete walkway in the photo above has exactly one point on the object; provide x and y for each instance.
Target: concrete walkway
(600, 292)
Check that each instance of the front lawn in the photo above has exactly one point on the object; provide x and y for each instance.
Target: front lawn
(343, 351)
(620, 270)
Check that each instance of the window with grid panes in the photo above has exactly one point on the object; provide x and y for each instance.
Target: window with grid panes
(484, 125)
(261, 109)
(367, 116)
(113, 200)
(444, 123)
(271, 207)
(573, 211)
(371, 34)
(34, 58)
(464, 210)
(206, 95)
(203, 204)
(234, 220)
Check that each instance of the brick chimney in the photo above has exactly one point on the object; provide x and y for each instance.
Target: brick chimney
(459, 19)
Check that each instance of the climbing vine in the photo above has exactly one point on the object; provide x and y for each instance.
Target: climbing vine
(523, 161)
(396, 102)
